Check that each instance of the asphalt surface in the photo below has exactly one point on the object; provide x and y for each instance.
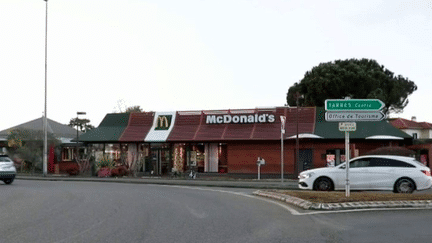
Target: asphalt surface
(77, 211)
(263, 186)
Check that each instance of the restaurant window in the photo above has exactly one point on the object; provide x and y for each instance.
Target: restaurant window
(68, 153)
(223, 158)
(335, 157)
(179, 157)
(424, 157)
(116, 152)
(97, 151)
(195, 156)
(144, 159)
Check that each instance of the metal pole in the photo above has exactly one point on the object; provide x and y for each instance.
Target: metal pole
(347, 157)
(45, 147)
(283, 119)
(259, 171)
(77, 122)
(297, 141)
(282, 156)
(77, 151)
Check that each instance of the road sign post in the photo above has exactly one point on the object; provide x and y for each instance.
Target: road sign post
(354, 105)
(260, 161)
(347, 158)
(347, 127)
(354, 116)
(347, 112)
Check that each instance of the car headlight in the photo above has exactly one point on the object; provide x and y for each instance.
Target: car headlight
(305, 175)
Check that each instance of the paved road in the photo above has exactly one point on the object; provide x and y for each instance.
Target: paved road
(67, 211)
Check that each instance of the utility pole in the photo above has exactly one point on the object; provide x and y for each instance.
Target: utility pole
(45, 121)
(283, 120)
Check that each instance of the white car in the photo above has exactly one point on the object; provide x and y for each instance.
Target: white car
(374, 172)
(7, 169)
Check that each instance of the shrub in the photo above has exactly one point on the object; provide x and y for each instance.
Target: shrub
(115, 172)
(123, 171)
(104, 172)
(72, 169)
(105, 162)
(119, 171)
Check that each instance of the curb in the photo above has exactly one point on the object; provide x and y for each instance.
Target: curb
(159, 181)
(307, 205)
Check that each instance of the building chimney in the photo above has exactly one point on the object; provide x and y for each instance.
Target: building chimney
(413, 118)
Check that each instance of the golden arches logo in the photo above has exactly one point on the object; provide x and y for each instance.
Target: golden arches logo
(163, 122)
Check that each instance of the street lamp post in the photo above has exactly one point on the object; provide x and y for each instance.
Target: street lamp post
(297, 165)
(77, 142)
(45, 125)
(283, 119)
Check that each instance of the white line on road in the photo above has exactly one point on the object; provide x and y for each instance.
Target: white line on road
(291, 209)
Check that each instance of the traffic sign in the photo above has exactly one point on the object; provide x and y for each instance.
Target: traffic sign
(347, 126)
(354, 105)
(354, 116)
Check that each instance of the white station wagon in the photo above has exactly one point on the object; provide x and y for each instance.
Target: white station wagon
(374, 172)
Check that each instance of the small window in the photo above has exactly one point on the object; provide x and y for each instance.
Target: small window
(414, 135)
(359, 163)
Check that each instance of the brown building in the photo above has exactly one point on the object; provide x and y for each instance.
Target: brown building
(421, 133)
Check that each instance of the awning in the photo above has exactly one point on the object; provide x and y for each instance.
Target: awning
(384, 137)
(305, 135)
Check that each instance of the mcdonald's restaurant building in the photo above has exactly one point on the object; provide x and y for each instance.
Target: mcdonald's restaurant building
(229, 142)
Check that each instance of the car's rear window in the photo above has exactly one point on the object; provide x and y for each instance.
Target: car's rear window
(384, 162)
(5, 159)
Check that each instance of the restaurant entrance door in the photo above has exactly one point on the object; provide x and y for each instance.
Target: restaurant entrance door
(161, 159)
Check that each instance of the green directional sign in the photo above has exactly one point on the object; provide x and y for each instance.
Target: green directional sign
(354, 105)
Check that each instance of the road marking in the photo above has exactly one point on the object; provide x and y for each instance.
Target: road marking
(283, 205)
(290, 209)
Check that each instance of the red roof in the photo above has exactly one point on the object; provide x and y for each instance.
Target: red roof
(138, 127)
(191, 126)
(185, 127)
(402, 123)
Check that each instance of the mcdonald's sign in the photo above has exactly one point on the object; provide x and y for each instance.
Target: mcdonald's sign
(163, 122)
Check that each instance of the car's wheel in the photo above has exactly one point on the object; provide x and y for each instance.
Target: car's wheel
(404, 185)
(8, 181)
(323, 184)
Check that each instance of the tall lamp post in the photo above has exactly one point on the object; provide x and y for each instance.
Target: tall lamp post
(77, 142)
(283, 119)
(297, 165)
(45, 125)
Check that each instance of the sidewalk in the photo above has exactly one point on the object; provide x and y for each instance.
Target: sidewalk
(288, 184)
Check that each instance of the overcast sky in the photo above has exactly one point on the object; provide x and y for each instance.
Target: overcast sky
(197, 55)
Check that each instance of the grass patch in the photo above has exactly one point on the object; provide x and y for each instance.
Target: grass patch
(355, 196)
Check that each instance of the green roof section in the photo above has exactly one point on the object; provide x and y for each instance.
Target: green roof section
(109, 130)
(330, 130)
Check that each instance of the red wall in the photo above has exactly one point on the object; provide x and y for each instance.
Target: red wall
(242, 156)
